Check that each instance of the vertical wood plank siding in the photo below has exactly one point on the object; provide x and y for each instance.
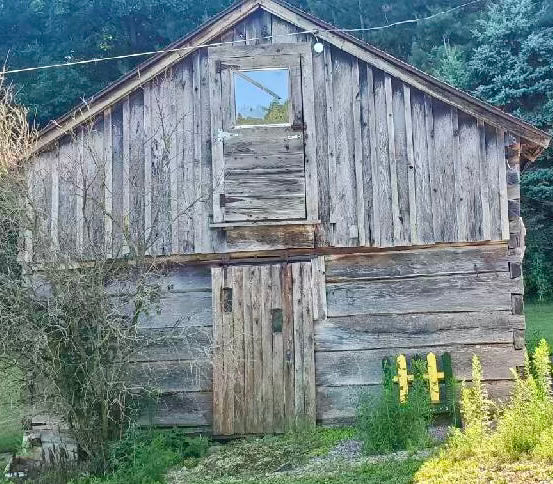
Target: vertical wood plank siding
(394, 166)
(391, 167)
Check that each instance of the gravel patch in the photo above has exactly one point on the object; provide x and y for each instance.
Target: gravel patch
(348, 453)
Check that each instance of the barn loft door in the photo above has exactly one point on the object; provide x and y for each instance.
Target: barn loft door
(264, 367)
(258, 129)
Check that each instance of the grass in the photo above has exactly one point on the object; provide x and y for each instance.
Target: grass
(539, 322)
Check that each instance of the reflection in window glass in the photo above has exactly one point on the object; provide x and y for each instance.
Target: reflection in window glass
(261, 97)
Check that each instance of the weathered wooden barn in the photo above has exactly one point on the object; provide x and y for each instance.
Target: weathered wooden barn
(318, 205)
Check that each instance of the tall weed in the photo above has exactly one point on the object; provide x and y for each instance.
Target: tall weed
(386, 425)
(523, 432)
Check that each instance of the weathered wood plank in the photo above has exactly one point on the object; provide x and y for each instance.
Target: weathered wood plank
(414, 238)
(278, 349)
(474, 215)
(249, 381)
(180, 309)
(281, 31)
(267, 344)
(174, 376)
(392, 160)
(322, 129)
(502, 184)
(117, 180)
(368, 138)
(308, 344)
(419, 262)
(423, 192)
(216, 144)
(459, 292)
(345, 233)
(41, 186)
(172, 344)
(108, 184)
(95, 235)
(54, 220)
(84, 172)
(364, 367)
(358, 152)
(183, 409)
(126, 153)
(485, 182)
(238, 338)
(297, 302)
(137, 171)
(288, 345)
(257, 323)
(443, 184)
(229, 368)
(217, 278)
(188, 198)
(318, 288)
(259, 145)
(415, 330)
(331, 137)
(401, 163)
(310, 139)
(270, 237)
(339, 405)
(463, 187)
(67, 194)
(381, 177)
(147, 89)
(210, 241)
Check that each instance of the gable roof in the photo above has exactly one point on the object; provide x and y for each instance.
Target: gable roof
(534, 140)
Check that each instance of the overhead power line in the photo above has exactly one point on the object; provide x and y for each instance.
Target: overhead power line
(216, 44)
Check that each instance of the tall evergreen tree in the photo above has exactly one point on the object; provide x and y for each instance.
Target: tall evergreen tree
(512, 68)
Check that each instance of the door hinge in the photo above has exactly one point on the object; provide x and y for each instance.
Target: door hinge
(223, 135)
(219, 66)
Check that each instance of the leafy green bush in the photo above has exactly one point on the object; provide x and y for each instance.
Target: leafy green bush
(386, 425)
(145, 456)
(522, 438)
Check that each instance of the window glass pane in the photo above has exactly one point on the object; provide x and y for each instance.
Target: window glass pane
(261, 96)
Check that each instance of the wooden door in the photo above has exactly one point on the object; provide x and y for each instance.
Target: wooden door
(258, 129)
(263, 356)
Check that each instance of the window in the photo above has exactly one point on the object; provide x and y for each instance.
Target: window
(262, 97)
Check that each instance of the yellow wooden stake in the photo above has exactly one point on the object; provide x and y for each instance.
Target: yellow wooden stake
(434, 376)
(402, 378)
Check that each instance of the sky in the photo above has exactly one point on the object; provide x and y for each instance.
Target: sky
(250, 100)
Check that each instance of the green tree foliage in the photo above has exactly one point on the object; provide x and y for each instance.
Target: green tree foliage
(40, 32)
(512, 68)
